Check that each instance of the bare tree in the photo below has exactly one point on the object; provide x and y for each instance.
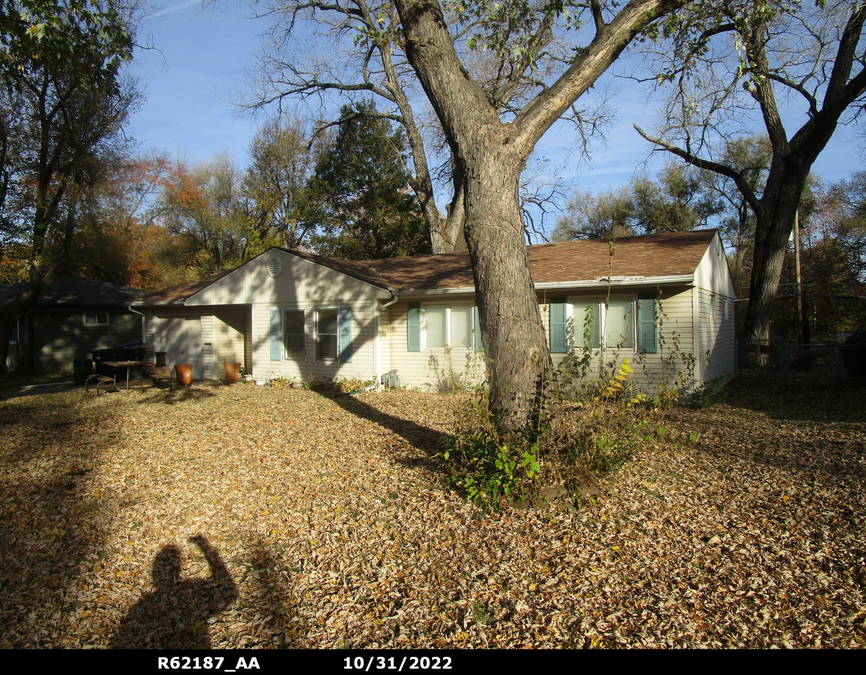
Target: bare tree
(732, 61)
(491, 150)
(362, 58)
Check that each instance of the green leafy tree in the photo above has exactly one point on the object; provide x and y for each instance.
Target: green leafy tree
(586, 216)
(676, 200)
(359, 199)
(63, 102)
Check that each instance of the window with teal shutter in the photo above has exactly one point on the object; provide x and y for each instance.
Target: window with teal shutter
(413, 327)
(558, 326)
(276, 335)
(345, 335)
(647, 324)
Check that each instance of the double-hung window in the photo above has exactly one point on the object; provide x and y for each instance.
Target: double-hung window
(333, 334)
(617, 324)
(439, 326)
(295, 334)
(327, 333)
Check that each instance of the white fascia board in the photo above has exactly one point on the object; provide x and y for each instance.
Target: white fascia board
(618, 282)
(673, 279)
(463, 290)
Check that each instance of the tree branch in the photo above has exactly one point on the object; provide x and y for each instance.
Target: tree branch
(707, 165)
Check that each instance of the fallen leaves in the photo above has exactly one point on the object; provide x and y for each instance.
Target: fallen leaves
(338, 529)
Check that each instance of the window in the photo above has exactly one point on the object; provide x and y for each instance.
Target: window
(333, 326)
(438, 326)
(96, 319)
(327, 333)
(619, 324)
(584, 323)
(17, 334)
(295, 334)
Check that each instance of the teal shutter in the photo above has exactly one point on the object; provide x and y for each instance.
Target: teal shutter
(476, 330)
(276, 335)
(558, 327)
(647, 324)
(413, 324)
(345, 335)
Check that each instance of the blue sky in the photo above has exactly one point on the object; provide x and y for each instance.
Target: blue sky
(197, 67)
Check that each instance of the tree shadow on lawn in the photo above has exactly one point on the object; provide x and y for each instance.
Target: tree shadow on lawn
(820, 401)
(51, 519)
(429, 441)
(198, 391)
(816, 429)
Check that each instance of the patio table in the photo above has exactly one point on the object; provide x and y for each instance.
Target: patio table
(121, 367)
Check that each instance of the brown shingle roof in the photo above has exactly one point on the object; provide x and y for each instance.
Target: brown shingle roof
(652, 255)
(182, 291)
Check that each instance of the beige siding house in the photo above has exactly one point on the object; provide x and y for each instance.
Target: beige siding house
(665, 302)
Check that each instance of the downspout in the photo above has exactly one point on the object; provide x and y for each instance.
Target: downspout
(143, 325)
(379, 309)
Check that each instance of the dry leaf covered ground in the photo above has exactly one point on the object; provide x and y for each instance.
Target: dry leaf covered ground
(250, 517)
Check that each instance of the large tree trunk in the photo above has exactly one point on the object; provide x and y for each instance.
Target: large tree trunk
(774, 224)
(516, 346)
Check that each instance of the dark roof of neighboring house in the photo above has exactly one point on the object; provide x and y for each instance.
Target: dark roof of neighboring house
(647, 256)
(77, 292)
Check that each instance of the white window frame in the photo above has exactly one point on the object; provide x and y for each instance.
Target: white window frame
(336, 356)
(97, 322)
(576, 342)
(285, 353)
(472, 319)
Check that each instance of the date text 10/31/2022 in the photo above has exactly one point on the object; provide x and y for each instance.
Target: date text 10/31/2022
(397, 663)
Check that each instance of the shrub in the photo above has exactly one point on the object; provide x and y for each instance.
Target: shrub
(349, 385)
(574, 441)
(708, 393)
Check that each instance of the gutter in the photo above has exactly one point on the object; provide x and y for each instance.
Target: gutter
(604, 282)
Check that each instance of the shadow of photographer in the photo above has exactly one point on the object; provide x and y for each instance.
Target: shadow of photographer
(175, 615)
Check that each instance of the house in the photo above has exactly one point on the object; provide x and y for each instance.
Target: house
(73, 317)
(665, 301)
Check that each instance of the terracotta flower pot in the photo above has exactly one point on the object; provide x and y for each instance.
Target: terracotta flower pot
(184, 374)
(233, 372)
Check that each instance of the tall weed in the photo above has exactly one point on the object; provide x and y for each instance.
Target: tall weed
(576, 440)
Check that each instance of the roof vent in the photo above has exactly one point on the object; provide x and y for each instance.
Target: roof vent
(274, 267)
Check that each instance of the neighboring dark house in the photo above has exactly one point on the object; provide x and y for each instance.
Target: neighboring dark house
(73, 317)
